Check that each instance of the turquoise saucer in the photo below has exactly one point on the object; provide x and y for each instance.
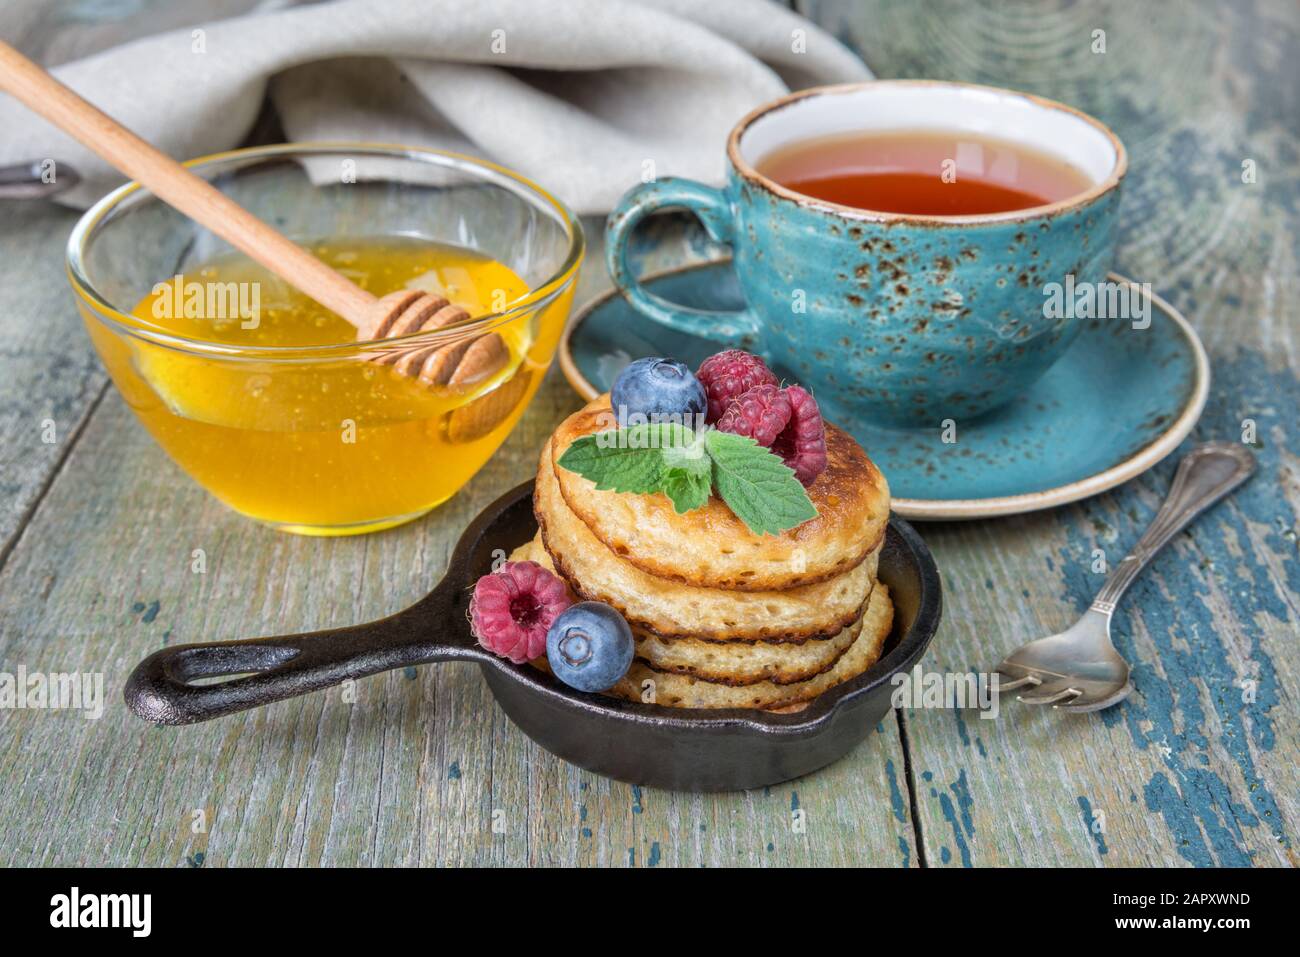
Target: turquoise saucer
(1118, 402)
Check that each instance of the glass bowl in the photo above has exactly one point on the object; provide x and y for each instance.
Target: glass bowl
(326, 439)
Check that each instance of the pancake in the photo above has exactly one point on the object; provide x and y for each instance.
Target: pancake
(733, 663)
(680, 691)
(710, 547)
(673, 610)
(744, 663)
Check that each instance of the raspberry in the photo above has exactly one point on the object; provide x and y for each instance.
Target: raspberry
(787, 421)
(762, 413)
(513, 608)
(802, 445)
(729, 374)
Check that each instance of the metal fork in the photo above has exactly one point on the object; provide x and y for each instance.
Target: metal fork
(27, 180)
(1079, 669)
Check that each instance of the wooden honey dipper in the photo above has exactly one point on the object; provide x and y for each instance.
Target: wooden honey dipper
(463, 362)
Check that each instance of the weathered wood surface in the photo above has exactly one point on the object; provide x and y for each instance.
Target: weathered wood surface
(1185, 771)
(97, 530)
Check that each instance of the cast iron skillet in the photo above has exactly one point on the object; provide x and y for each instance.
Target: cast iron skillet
(693, 750)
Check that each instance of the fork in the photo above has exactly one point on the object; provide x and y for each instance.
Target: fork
(27, 180)
(1079, 669)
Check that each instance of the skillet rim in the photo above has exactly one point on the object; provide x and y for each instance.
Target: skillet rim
(816, 717)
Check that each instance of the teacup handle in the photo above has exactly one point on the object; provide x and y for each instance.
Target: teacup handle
(742, 328)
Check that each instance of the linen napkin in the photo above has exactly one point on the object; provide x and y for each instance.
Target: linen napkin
(587, 97)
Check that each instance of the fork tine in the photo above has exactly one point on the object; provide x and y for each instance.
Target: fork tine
(1096, 704)
(1011, 683)
(1049, 694)
(1079, 708)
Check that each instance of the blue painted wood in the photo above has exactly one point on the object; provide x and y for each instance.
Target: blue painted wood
(1199, 767)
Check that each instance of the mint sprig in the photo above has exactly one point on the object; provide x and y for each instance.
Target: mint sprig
(686, 466)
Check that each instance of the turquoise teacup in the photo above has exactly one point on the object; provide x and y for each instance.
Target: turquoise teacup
(907, 319)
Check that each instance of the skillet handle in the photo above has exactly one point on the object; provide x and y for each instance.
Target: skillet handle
(160, 689)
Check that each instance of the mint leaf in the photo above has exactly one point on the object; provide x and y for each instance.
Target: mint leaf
(688, 473)
(687, 489)
(627, 460)
(756, 484)
(614, 469)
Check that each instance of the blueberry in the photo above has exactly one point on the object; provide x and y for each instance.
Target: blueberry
(589, 646)
(652, 385)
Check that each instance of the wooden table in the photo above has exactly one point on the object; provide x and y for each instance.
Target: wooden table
(97, 531)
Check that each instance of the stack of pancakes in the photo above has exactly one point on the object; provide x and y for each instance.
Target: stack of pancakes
(723, 618)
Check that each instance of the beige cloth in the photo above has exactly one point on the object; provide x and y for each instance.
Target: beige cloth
(580, 95)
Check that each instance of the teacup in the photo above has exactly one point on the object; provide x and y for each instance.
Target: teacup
(907, 319)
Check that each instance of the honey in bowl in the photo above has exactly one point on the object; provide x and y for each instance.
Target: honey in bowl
(924, 173)
(316, 443)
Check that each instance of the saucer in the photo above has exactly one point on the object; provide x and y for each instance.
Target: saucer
(1116, 404)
